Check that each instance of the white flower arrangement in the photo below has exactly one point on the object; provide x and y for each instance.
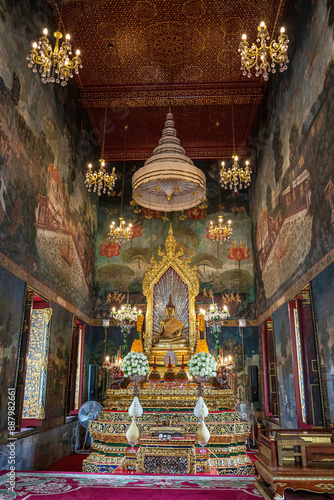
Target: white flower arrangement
(135, 362)
(202, 364)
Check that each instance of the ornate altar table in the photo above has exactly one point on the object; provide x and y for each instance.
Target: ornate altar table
(171, 412)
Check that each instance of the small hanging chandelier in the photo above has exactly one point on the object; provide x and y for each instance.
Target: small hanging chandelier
(235, 176)
(119, 234)
(260, 56)
(102, 181)
(215, 315)
(55, 65)
(219, 232)
(126, 315)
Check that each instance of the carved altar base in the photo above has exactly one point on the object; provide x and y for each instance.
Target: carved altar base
(169, 411)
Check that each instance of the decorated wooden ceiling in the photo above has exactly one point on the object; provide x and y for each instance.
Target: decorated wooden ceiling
(178, 53)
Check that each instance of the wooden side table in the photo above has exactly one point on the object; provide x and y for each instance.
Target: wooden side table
(291, 446)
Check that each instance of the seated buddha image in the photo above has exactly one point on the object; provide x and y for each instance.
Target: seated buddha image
(170, 332)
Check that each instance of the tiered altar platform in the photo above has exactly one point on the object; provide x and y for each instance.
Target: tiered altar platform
(170, 412)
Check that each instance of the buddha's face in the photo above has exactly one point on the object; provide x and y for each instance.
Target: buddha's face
(170, 311)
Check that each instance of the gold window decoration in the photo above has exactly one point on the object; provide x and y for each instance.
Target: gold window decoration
(37, 362)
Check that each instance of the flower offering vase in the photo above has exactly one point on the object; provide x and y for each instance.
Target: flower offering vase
(201, 381)
(137, 379)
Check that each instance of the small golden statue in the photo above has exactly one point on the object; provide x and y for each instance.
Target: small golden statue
(170, 328)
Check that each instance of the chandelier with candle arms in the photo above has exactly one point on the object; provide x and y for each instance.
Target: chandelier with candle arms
(55, 65)
(102, 181)
(234, 177)
(265, 57)
(119, 234)
(219, 232)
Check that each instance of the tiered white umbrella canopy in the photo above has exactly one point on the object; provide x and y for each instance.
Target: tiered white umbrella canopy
(169, 181)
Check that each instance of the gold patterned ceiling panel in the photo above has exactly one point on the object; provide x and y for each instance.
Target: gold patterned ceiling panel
(182, 53)
(210, 134)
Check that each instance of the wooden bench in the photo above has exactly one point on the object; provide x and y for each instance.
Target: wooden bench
(319, 453)
(305, 446)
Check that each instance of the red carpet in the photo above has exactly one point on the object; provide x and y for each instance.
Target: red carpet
(71, 463)
(68, 486)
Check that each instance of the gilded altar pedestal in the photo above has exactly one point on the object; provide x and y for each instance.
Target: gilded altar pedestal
(175, 399)
(170, 411)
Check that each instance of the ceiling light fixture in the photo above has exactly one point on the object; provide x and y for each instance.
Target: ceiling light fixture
(219, 232)
(236, 176)
(119, 234)
(102, 181)
(168, 181)
(260, 56)
(54, 65)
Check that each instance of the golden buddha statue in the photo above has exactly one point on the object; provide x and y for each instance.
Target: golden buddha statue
(170, 329)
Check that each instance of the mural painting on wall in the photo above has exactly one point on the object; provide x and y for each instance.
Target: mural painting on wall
(228, 274)
(230, 339)
(294, 194)
(285, 374)
(12, 292)
(47, 220)
(323, 299)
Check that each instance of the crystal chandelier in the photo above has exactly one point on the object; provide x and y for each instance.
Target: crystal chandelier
(260, 56)
(214, 318)
(215, 315)
(235, 176)
(126, 315)
(102, 181)
(126, 318)
(119, 234)
(55, 65)
(221, 231)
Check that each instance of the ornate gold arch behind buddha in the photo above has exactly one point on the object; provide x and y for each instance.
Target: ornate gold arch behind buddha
(171, 258)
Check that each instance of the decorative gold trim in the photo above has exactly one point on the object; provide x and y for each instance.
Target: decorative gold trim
(166, 453)
(300, 365)
(170, 258)
(78, 371)
(37, 362)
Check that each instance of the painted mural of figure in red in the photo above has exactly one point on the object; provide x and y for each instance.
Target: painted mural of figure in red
(238, 253)
(136, 231)
(109, 250)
